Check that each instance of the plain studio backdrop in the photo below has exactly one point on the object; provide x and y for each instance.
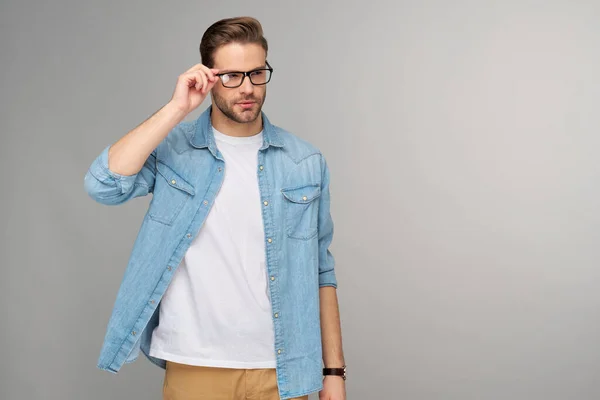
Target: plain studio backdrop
(462, 139)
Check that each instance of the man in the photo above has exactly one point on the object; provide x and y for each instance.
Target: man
(230, 286)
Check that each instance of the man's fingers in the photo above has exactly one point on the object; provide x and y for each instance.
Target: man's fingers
(204, 81)
(188, 78)
(195, 67)
(210, 86)
(195, 79)
(210, 72)
(201, 78)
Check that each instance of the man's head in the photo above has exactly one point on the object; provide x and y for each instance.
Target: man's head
(235, 46)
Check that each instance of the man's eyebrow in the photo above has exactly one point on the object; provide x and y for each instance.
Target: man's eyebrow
(227, 71)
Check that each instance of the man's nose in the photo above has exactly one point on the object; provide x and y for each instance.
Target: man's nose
(247, 86)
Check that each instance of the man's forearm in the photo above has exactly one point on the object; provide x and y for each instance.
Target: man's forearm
(331, 331)
(128, 154)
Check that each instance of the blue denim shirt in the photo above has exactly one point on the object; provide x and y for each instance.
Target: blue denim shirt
(184, 174)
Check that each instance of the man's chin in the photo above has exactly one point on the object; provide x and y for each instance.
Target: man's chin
(247, 116)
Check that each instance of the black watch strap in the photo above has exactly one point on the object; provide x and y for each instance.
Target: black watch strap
(335, 371)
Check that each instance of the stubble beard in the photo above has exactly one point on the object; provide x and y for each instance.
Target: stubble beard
(244, 116)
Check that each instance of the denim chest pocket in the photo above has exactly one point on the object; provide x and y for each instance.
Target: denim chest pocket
(171, 192)
(301, 208)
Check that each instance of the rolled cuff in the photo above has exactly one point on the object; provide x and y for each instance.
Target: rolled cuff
(99, 169)
(327, 278)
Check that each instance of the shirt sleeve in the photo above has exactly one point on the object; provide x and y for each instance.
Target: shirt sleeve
(325, 227)
(108, 187)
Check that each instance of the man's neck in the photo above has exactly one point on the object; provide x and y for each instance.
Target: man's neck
(229, 127)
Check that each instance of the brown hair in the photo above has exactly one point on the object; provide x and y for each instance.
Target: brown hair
(230, 30)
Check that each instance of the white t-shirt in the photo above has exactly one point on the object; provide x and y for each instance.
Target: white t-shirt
(217, 312)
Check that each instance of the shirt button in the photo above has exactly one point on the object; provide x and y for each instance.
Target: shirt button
(279, 351)
(189, 235)
(169, 267)
(261, 167)
(269, 240)
(219, 169)
(272, 278)
(205, 202)
(152, 302)
(304, 198)
(173, 181)
(133, 333)
(266, 203)
(276, 315)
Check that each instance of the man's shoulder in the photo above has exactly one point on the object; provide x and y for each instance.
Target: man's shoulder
(296, 147)
(179, 137)
(184, 129)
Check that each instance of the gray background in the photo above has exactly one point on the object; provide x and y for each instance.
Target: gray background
(462, 140)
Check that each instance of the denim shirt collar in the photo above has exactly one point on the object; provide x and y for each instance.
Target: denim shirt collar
(203, 135)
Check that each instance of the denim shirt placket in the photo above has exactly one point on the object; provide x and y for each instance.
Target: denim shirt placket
(271, 244)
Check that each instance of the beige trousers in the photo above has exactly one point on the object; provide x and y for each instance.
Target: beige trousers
(187, 382)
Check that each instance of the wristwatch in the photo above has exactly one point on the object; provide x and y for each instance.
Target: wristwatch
(335, 371)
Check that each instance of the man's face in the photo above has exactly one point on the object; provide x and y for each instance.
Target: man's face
(244, 103)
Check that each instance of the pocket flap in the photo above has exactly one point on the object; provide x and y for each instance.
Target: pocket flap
(174, 179)
(302, 194)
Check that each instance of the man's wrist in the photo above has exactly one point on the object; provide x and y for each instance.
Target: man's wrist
(175, 112)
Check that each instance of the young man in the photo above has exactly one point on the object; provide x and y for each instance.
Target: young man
(230, 286)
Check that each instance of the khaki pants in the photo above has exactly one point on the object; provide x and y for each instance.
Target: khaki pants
(187, 382)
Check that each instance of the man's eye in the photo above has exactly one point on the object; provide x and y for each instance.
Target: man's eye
(233, 76)
(257, 73)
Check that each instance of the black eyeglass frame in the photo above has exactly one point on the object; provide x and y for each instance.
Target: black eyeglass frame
(247, 74)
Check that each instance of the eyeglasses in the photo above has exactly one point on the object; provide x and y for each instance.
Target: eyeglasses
(260, 76)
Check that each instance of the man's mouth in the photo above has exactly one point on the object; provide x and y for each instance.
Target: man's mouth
(246, 104)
